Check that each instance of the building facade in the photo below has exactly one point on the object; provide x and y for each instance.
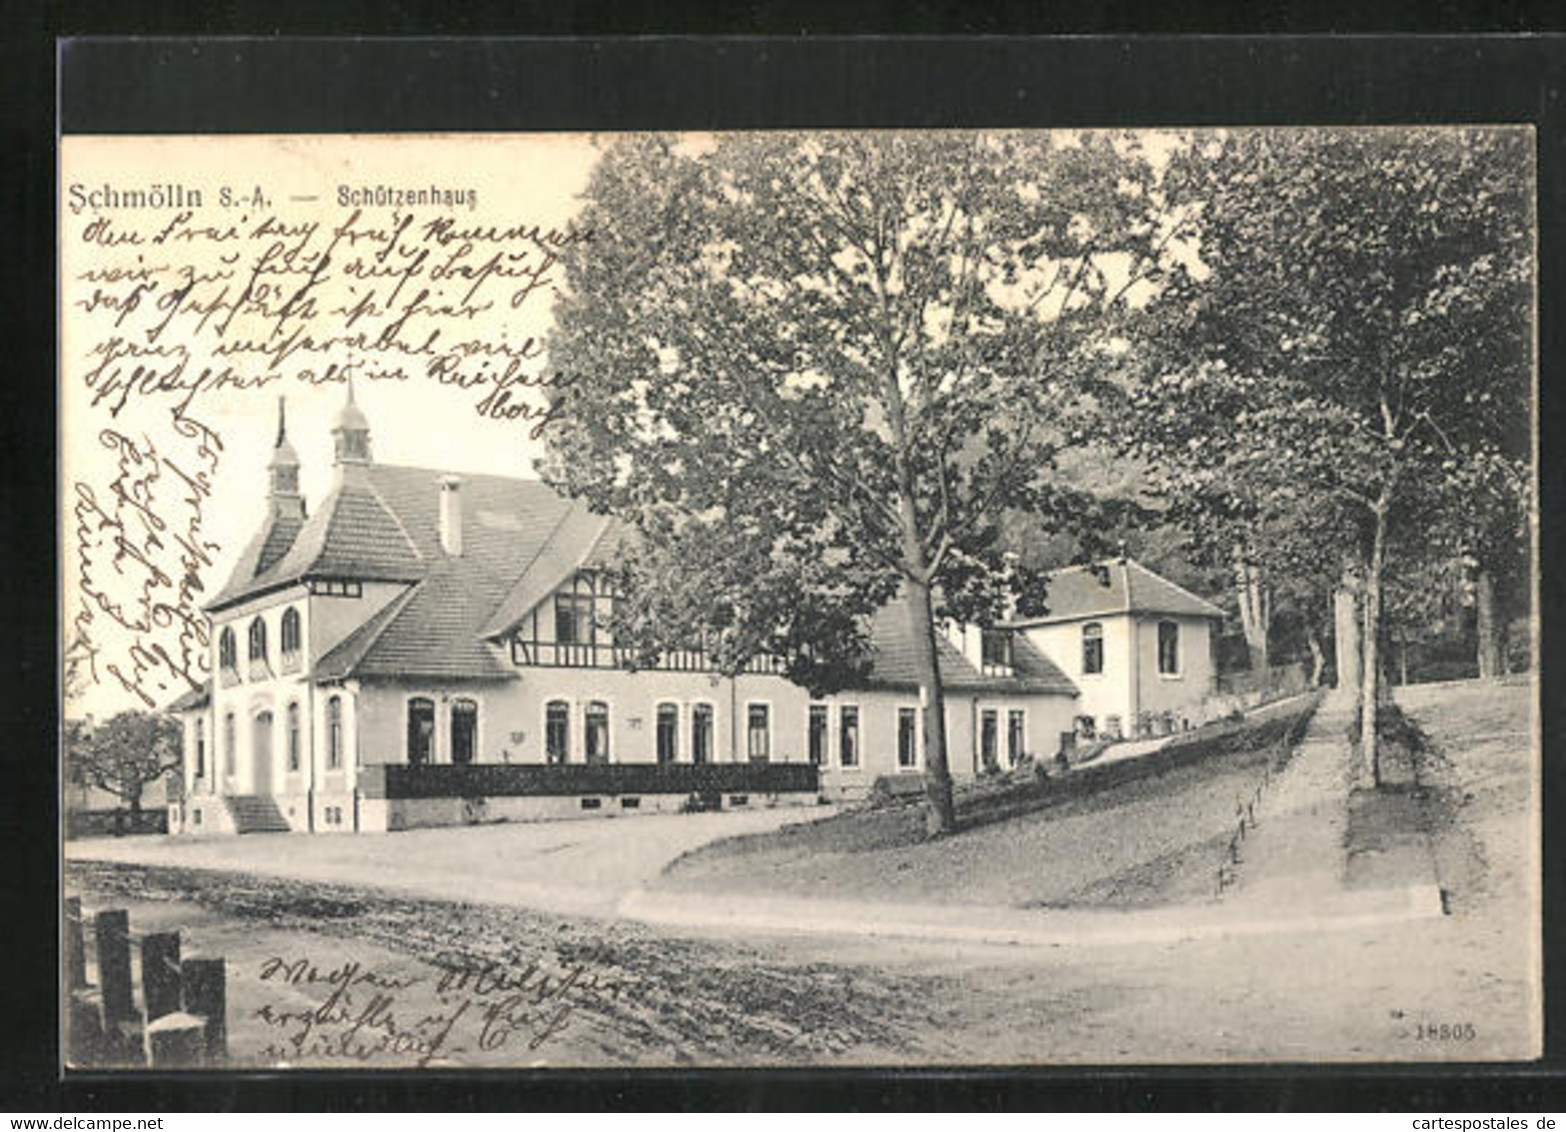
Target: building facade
(419, 619)
(1138, 647)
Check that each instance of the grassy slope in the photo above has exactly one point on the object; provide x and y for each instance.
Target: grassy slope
(1151, 839)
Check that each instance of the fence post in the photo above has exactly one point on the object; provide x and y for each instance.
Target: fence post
(75, 945)
(84, 1029)
(114, 965)
(205, 995)
(121, 1022)
(176, 1041)
(160, 974)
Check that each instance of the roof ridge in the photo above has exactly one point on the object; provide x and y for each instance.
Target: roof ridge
(395, 518)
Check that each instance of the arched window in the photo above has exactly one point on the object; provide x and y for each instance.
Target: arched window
(701, 733)
(464, 730)
(201, 748)
(557, 732)
(595, 732)
(421, 730)
(1092, 649)
(291, 639)
(668, 733)
(1168, 648)
(258, 664)
(334, 733)
(293, 738)
(229, 739)
(228, 656)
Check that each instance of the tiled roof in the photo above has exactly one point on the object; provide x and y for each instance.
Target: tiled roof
(192, 700)
(892, 637)
(1122, 585)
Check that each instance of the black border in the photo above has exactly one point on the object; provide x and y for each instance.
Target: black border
(250, 85)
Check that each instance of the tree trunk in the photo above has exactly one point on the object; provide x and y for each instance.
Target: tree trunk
(942, 813)
(1318, 659)
(1254, 613)
(1368, 770)
(1345, 614)
(1489, 635)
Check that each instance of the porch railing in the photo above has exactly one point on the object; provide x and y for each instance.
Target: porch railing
(495, 780)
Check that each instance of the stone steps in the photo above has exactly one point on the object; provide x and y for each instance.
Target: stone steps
(255, 813)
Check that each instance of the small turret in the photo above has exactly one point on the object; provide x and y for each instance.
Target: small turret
(351, 432)
(283, 471)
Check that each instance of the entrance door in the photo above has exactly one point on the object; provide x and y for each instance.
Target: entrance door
(261, 753)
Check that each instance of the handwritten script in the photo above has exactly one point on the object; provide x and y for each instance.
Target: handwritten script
(468, 1009)
(182, 300)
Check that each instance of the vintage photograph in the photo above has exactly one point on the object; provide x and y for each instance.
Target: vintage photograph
(906, 598)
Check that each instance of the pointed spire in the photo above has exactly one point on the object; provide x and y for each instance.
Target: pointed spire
(282, 422)
(284, 468)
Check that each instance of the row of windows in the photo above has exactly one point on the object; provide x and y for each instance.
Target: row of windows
(421, 730)
(1168, 648)
(262, 724)
(260, 661)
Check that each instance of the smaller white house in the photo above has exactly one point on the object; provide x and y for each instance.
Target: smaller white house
(1138, 647)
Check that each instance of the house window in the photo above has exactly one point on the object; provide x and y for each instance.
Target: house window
(1016, 735)
(228, 656)
(701, 733)
(995, 648)
(229, 741)
(291, 639)
(907, 738)
(334, 733)
(818, 734)
(332, 587)
(293, 738)
(596, 732)
(1168, 648)
(421, 730)
(668, 737)
(557, 732)
(201, 749)
(848, 736)
(1092, 649)
(258, 665)
(573, 619)
(464, 730)
(758, 732)
(989, 738)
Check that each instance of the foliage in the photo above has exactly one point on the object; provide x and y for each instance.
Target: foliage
(124, 754)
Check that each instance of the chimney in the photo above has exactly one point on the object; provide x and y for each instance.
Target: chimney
(451, 515)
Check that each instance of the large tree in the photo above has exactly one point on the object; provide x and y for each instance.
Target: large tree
(124, 754)
(1359, 315)
(815, 370)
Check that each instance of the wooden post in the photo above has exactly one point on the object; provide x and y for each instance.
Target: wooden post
(75, 945)
(177, 1041)
(114, 966)
(84, 1029)
(205, 994)
(160, 974)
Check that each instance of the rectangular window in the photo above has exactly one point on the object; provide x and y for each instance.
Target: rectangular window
(568, 623)
(1016, 735)
(1092, 649)
(995, 648)
(848, 736)
(595, 732)
(989, 738)
(758, 733)
(1168, 648)
(701, 733)
(201, 749)
(334, 733)
(668, 737)
(818, 734)
(907, 738)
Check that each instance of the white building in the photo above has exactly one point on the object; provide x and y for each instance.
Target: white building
(1138, 647)
(426, 648)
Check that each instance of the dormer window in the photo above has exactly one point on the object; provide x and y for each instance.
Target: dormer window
(995, 650)
(259, 668)
(291, 639)
(228, 657)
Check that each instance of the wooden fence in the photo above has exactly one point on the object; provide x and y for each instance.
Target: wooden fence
(181, 1021)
